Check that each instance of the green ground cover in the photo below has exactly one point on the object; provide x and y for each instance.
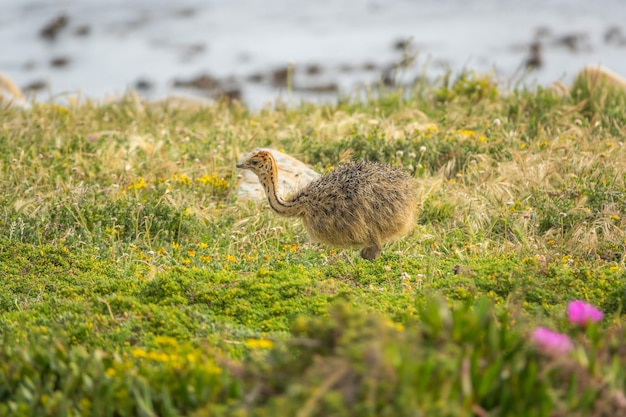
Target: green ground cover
(133, 281)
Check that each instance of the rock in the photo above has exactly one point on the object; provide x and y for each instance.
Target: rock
(36, 86)
(201, 82)
(212, 87)
(143, 84)
(52, 29)
(388, 76)
(534, 60)
(595, 75)
(401, 44)
(574, 42)
(292, 175)
(279, 77)
(230, 94)
(10, 93)
(59, 62)
(313, 69)
(330, 87)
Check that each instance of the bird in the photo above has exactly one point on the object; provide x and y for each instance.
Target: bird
(359, 204)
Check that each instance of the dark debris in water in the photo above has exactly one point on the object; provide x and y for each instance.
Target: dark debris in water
(51, 30)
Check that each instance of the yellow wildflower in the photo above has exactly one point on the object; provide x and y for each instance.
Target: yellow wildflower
(181, 179)
(138, 184)
(60, 109)
(212, 180)
(261, 343)
(291, 248)
(166, 341)
(138, 353)
(205, 179)
(466, 132)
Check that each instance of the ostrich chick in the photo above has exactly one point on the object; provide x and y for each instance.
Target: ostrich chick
(359, 204)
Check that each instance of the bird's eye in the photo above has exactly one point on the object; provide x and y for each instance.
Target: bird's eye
(254, 162)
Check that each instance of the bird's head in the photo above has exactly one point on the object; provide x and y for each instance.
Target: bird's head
(260, 162)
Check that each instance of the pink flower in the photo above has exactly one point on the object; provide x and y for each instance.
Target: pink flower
(581, 313)
(551, 341)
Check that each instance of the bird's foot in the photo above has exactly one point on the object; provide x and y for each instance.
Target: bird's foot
(371, 252)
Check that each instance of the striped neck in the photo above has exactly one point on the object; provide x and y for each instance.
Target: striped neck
(269, 181)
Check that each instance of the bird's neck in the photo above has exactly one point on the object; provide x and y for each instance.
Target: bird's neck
(287, 208)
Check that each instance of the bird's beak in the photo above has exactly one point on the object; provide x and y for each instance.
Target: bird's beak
(239, 165)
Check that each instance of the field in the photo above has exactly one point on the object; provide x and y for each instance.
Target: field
(133, 281)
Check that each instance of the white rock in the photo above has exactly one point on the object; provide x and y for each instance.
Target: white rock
(595, 74)
(292, 176)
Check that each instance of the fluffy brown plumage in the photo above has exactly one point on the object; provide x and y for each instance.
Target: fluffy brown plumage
(359, 204)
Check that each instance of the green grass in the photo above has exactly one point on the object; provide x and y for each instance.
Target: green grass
(133, 281)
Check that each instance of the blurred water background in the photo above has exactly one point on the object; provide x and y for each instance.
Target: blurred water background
(254, 49)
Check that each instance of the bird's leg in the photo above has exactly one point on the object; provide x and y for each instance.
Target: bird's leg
(371, 252)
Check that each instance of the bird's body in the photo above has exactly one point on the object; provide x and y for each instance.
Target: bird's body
(359, 204)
